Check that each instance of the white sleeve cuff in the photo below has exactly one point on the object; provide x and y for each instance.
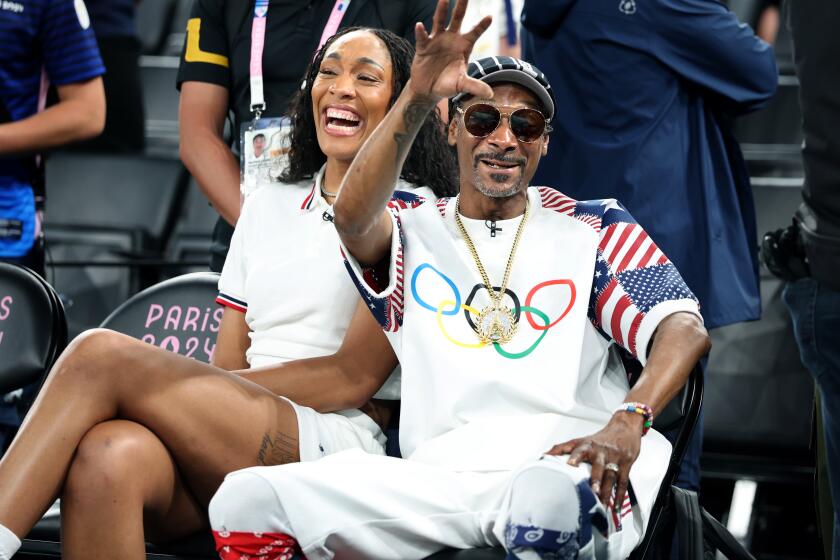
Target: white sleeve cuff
(655, 316)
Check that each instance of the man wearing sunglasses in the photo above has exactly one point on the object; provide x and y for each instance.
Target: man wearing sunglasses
(518, 426)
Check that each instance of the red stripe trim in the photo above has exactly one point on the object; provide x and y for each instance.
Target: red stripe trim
(227, 303)
(615, 321)
(625, 262)
(662, 260)
(308, 199)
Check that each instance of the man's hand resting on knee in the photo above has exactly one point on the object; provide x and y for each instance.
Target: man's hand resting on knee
(617, 444)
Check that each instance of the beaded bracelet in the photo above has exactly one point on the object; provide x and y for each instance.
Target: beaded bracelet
(638, 408)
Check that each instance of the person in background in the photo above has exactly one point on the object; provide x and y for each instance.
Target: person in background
(216, 78)
(113, 23)
(642, 116)
(45, 42)
(37, 35)
(502, 38)
(769, 19)
(807, 254)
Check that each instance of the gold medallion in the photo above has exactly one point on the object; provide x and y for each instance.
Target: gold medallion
(496, 325)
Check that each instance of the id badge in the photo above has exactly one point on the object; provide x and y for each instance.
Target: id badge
(264, 152)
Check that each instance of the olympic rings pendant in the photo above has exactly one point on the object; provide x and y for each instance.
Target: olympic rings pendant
(495, 324)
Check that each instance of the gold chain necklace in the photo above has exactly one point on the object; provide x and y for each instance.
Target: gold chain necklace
(496, 323)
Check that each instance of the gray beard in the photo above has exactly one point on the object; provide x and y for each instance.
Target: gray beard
(508, 192)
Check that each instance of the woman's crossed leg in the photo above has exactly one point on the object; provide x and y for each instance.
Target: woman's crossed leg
(191, 423)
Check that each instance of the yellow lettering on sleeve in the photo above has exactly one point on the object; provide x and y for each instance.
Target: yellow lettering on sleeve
(194, 52)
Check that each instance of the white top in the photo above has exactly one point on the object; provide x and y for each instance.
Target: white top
(285, 272)
(490, 42)
(585, 268)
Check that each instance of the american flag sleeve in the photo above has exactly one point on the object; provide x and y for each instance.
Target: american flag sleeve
(635, 286)
(384, 296)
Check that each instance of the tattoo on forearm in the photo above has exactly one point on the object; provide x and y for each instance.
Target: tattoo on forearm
(413, 117)
(279, 450)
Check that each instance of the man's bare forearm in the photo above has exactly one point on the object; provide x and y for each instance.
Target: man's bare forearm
(215, 169)
(680, 341)
(202, 111)
(79, 115)
(369, 182)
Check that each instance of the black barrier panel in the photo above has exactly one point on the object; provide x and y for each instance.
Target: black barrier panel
(179, 315)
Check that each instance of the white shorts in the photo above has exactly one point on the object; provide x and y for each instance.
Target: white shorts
(324, 434)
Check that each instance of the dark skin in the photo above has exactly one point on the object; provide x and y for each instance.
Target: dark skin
(439, 71)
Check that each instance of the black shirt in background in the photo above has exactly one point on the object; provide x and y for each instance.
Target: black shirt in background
(293, 29)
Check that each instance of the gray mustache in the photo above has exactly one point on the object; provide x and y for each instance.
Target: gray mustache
(502, 158)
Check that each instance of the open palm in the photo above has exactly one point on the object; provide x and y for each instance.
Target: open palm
(439, 68)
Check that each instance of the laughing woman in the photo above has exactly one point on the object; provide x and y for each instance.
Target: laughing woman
(135, 440)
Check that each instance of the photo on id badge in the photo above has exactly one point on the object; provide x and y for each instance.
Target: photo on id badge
(263, 149)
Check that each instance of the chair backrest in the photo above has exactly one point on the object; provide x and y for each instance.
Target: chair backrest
(158, 75)
(178, 314)
(33, 330)
(128, 192)
(152, 19)
(689, 408)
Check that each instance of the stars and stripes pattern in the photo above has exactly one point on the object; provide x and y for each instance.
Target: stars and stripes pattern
(631, 274)
(441, 206)
(589, 213)
(402, 200)
(626, 509)
(229, 301)
(388, 311)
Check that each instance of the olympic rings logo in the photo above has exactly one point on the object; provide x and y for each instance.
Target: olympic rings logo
(453, 306)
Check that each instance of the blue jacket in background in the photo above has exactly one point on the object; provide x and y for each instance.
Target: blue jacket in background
(644, 88)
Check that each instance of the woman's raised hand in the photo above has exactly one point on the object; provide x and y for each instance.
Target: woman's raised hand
(439, 68)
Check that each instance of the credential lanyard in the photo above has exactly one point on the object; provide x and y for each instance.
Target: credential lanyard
(337, 14)
(258, 45)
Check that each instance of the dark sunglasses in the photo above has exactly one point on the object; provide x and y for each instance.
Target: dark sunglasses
(481, 119)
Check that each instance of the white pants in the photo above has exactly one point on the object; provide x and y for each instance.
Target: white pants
(353, 505)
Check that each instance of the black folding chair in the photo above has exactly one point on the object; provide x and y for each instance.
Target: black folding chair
(33, 329)
(180, 315)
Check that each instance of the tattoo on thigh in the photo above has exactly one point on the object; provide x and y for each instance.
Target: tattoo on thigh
(279, 450)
